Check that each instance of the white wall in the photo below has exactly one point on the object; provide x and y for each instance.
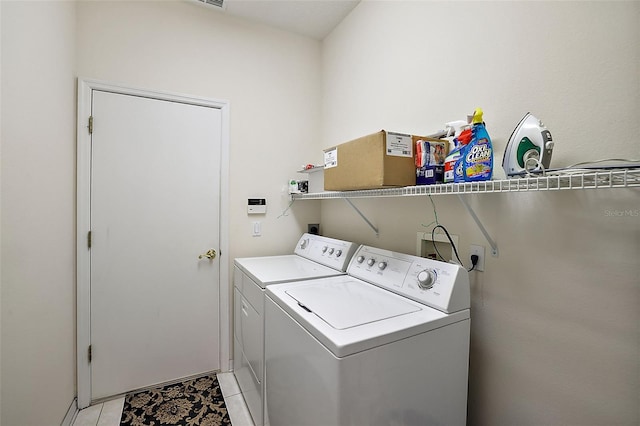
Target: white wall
(270, 77)
(272, 80)
(555, 336)
(38, 205)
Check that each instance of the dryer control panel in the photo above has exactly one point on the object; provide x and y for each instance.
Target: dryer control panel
(326, 251)
(440, 285)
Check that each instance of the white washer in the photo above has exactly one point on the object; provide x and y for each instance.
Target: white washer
(387, 344)
(314, 257)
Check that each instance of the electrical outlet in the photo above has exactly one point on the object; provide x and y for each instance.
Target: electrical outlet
(479, 251)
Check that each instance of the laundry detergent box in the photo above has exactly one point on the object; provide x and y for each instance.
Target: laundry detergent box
(379, 160)
(430, 175)
(429, 160)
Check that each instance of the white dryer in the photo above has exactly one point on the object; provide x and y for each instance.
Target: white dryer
(387, 344)
(314, 257)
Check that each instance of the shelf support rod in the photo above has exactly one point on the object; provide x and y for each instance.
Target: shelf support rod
(494, 246)
(363, 217)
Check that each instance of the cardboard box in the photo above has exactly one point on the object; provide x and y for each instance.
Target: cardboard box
(380, 160)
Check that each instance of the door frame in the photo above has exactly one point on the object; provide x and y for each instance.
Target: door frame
(83, 221)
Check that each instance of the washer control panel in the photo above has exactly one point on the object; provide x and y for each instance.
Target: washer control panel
(443, 286)
(326, 251)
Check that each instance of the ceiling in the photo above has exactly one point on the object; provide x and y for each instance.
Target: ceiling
(312, 18)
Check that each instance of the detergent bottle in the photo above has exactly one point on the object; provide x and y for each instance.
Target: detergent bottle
(477, 157)
(451, 172)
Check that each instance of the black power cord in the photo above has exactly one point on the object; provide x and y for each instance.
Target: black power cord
(433, 239)
(474, 257)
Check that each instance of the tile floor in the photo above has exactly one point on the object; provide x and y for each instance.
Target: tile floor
(110, 412)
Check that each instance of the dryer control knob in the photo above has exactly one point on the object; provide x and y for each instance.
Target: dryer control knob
(304, 243)
(331, 250)
(382, 265)
(324, 249)
(338, 253)
(371, 262)
(360, 259)
(426, 279)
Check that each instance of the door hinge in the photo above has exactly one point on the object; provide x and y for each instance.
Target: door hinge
(89, 353)
(89, 239)
(91, 124)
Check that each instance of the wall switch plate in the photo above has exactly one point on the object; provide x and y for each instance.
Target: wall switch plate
(257, 229)
(479, 251)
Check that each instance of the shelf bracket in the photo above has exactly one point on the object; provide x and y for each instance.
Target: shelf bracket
(494, 246)
(363, 216)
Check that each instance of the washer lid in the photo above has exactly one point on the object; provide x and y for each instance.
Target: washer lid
(368, 324)
(347, 303)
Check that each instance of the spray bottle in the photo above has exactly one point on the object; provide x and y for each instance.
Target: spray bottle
(453, 129)
(477, 156)
(451, 172)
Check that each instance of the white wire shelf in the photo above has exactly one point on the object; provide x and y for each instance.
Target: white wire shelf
(600, 179)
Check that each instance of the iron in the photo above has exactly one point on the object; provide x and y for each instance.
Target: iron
(529, 148)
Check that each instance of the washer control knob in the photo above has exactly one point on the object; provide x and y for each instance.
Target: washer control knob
(426, 279)
(331, 250)
(382, 265)
(304, 243)
(324, 249)
(371, 262)
(360, 259)
(338, 253)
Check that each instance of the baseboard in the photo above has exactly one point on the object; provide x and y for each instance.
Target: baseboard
(72, 413)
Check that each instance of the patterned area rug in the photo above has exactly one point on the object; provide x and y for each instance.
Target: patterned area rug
(193, 402)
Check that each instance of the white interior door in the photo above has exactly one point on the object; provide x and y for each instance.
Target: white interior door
(155, 191)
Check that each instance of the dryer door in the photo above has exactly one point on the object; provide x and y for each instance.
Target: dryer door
(248, 359)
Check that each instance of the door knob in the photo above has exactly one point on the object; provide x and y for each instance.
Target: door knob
(210, 254)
